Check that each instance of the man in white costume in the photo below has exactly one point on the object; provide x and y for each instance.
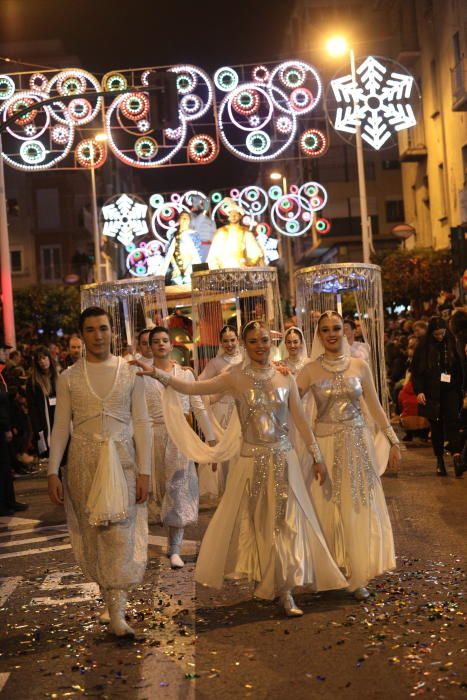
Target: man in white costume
(105, 482)
(174, 479)
(234, 245)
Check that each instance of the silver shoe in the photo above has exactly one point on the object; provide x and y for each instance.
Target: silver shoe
(288, 603)
(117, 603)
(176, 562)
(361, 593)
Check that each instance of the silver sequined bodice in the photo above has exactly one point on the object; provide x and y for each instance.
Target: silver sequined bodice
(263, 415)
(338, 399)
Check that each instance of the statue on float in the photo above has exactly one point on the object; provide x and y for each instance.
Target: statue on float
(233, 245)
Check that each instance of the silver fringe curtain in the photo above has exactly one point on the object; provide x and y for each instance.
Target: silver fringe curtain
(322, 287)
(233, 296)
(131, 305)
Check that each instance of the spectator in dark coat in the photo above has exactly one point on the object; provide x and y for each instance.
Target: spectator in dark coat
(41, 396)
(438, 380)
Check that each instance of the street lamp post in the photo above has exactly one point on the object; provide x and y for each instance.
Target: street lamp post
(95, 217)
(338, 46)
(6, 283)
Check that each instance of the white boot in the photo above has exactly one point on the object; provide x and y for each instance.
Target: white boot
(175, 544)
(116, 599)
(176, 562)
(289, 605)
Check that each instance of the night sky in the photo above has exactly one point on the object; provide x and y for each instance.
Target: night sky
(111, 34)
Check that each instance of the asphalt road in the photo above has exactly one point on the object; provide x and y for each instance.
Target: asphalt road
(407, 640)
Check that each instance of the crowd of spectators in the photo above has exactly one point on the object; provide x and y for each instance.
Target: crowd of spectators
(28, 375)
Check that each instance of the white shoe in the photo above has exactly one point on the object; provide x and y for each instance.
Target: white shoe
(104, 617)
(117, 604)
(288, 603)
(361, 593)
(176, 562)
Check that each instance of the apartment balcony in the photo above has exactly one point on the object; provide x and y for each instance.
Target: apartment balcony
(459, 86)
(412, 146)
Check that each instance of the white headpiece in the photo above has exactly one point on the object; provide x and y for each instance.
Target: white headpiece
(230, 204)
(303, 352)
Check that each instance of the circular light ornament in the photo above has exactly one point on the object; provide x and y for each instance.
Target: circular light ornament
(313, 143)
(315, 194)
(258, 142)
(291, 215)
(32, 152)
(190, 104)
(135, 106)
(90, 153)
(114, 81)
(284, 124)
(79, 110)
(263, 229)
(246, 102)
(260, 74)
(302, 100)
(146, 148)
(156, 200)
(17, 105)
(186, 81)
(216, 197)
(71, 82)
(202, 148)
(292, 74)
(38, 81)
(275, 192)
(7, 87)
(253, 200)
(226, 79)
(323, 226)
(60, 134)
(143, 125)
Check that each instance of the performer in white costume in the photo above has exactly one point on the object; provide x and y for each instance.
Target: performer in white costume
(174, 480)
(212, 478)
(296, 355)
(234, 245)
(357, 349)
(351, 508)
(184, 251)
(105, 482)
(265, 527)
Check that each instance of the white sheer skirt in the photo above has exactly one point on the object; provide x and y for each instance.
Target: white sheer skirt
(351, 507)
(245, 539)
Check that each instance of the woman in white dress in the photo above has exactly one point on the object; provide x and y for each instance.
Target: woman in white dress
(351, 508)
(265, 528)
(296, 352)
(212, 478)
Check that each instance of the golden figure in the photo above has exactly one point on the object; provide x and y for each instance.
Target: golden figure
(234, 245)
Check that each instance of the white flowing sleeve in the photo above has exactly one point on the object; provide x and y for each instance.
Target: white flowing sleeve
(141, 427)
(187, 440)
(61, 428)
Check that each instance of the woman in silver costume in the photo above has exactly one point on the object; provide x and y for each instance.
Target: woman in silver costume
(212, 483)
(265, 527)
(296, 352)
(351, 509)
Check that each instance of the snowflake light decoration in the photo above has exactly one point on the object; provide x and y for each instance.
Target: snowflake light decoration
(377, 100)
(124, 219)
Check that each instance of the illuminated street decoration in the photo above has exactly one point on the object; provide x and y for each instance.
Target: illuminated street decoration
(379, 101)
(267, 214)
(124, 218)
(313, 143)
(260, 110)
(257, 119)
